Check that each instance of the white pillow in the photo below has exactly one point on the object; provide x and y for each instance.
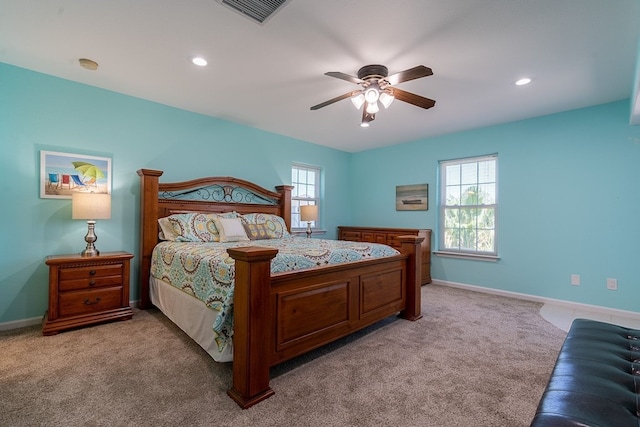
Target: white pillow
(230, 229)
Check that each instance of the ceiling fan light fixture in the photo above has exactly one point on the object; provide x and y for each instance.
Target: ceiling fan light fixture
(371, 95)
(358, 100)
(372, 107)
(386, 99)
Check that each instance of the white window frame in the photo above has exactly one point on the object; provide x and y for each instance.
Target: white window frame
(300, 196)
(461, 180)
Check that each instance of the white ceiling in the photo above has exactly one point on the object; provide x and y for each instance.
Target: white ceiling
(578, 53)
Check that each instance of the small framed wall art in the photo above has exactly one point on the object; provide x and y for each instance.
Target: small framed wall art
(62, 174)
(412, 197)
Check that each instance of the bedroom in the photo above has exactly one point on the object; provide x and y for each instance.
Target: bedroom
(568, 185)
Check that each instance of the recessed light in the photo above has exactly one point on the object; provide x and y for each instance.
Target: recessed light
(523, 81)
(199, 61)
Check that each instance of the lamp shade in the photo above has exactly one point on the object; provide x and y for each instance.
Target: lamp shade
(358, 100)
(372, 108)
(309, 213)
(386, 99)
(90, 206)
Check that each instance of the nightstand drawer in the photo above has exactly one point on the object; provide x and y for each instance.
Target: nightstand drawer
(89, 283)
(84, 302)
(90, 271)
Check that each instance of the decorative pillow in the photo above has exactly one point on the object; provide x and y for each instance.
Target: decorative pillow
(192, 227)
(276, 225)
(166, 230)
(230, 229)
(258, 231)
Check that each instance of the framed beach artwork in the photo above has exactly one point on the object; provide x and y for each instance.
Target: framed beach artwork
(412, 197)
(62, 174)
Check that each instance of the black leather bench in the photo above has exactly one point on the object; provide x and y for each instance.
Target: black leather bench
(596, 378)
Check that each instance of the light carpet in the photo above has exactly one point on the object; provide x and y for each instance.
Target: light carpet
(474, 359)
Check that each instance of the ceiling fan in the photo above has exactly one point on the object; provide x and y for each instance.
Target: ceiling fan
(377, 85)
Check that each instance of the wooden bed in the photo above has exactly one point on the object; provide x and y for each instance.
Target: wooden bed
(277, 317)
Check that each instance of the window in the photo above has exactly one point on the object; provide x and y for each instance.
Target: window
(468, 205)
(306, 191)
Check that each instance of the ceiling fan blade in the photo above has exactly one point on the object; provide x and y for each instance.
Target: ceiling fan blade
(412, 98)
(336, 99)
(410, 74)
(343, 76)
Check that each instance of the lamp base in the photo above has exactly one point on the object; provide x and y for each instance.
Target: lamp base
(90, 238)
(90, 251)
(309, 232)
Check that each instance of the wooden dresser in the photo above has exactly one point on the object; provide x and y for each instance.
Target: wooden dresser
(389, 236)
(87, 290)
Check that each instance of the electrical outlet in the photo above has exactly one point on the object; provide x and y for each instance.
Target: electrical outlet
(575, 279)
(612, 284)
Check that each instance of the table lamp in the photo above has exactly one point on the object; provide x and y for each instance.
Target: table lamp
(309, 213)
(90, 206)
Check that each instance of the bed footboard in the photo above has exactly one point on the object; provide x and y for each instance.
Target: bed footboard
(282, 316)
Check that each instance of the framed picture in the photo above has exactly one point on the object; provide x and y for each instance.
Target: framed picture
(412, 197)
(62, 174)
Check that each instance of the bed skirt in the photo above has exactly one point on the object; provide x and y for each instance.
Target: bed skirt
(191, 315)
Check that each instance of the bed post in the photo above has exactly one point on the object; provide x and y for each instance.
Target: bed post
(410, 245)
(252, 325)
(148, 228)
(285, 203)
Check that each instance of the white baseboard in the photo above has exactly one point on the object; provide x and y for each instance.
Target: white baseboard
(16, 324)
(568, 304)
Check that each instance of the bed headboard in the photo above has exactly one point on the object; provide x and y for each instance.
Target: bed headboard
(212, 194)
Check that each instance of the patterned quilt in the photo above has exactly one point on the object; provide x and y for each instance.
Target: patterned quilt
(205, 270)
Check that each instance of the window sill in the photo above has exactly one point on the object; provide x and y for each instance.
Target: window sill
(477, 257)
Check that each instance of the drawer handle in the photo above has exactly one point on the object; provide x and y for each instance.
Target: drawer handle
(92, 272)
(92, 283)
(87, 302)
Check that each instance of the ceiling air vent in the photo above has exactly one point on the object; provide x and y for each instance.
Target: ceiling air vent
(257, 10)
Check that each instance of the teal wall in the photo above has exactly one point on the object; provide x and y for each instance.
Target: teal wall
(568, 186)
(40, 112)
(569, 197)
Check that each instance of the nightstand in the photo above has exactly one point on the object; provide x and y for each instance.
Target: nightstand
(87, 290)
